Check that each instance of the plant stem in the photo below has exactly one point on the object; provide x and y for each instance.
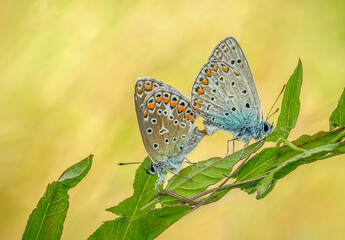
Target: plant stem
(290, 144)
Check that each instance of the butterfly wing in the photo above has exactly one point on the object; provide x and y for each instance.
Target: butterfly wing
(230, 52)
(166, 121)
(223, 98)
(143, 87)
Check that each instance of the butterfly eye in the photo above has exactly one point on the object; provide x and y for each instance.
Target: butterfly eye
(265, 127)
(152, 169)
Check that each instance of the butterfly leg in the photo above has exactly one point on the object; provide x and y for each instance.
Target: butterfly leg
(161, 180)
(233, 146)
(193, 164)
(176, 173)
(245, 145)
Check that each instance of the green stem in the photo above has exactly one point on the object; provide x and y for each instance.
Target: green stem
(339, 136)
(291, 145)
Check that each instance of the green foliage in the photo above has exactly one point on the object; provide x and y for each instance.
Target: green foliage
(46, 220)
(133, 222)
(145, 215)
(290, 106)
(259, 174)
(211, 172)
(337, 118)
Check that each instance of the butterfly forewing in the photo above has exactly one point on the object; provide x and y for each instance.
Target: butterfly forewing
(229, 51)
(165, 122)
(143, 87)
(221, 96)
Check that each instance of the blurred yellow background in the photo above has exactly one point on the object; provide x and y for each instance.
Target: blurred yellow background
(67, 74)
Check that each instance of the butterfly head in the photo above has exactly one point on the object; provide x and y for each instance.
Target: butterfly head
(152, 170)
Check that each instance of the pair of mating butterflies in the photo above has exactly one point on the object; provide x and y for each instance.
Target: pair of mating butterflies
(223, 93)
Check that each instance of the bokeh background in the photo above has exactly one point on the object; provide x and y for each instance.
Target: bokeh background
(67, 74)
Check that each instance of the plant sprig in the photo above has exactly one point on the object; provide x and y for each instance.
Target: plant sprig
(146, 214)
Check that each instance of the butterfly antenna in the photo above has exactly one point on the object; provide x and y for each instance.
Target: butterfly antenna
(272, 113)
(268, 115)
(133, 163)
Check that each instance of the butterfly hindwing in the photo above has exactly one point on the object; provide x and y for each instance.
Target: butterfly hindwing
(221, 96)
(230, 52)
(166, 120)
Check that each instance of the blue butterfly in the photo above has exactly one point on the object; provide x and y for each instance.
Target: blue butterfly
(166, 121)
(225, 95)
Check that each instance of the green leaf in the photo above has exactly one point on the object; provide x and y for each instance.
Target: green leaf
(47, 219)
(290, 106)
(213, 171)
(269, 158)
(266, 185)
(337, 118)
(133, 222)
(144, 188)
(143, 226)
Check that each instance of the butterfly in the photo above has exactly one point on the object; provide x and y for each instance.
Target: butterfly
(166, 121)
(225, 95)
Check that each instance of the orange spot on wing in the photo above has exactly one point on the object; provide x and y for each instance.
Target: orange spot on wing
(236, 73)
(205, 81)
(166, 100)
(147, 88)
(145, 113)
(200, 91)
(208, 73)
(190, 117)
(173, 104)
(215, 68)
(186, 115)
(225, 69)
(193, 120)
(139, 90)
(197, 105)
(159, 99)
(151, 106)
(180, 109)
